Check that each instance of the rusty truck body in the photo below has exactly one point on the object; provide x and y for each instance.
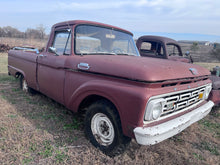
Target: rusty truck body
(96, 68)
(167, 48)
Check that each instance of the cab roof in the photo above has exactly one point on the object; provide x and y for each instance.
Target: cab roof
(83, 22)
(165, 40)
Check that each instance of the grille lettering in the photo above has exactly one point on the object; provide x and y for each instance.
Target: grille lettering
(182, 100)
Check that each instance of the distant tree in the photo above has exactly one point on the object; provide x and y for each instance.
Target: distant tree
(38, 33)
(41, 30)
(32, 33)
(195, 46)
(1, 32)
(9, 31)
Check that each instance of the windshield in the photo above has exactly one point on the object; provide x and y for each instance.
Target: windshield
(99, 40)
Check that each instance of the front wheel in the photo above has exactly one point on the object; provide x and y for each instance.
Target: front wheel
(103, 128)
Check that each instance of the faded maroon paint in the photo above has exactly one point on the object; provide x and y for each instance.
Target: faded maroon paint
(25, 63)
(138, 68)
(127, 81)
(159, 39)
(216, 82)
(214, 96)
(179, 58)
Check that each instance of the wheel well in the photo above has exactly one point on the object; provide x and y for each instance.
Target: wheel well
(18, 74)
(92, 99)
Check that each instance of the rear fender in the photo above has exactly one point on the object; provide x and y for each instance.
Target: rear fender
(15, 71)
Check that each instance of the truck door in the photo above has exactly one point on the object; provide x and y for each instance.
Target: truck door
(50, 71)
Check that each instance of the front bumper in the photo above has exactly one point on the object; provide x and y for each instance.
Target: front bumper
(158, 133)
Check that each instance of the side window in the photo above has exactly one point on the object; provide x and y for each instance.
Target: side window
(172, 50)
(146, 46)
(151, 48)
(62, 42)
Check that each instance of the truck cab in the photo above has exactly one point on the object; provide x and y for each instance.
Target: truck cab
(161, 47)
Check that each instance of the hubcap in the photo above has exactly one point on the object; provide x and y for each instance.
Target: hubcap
(102, 129)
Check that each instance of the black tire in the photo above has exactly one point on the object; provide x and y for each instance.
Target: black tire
(108, 122)
(25, 87)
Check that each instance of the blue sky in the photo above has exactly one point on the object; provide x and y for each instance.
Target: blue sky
(179, 19)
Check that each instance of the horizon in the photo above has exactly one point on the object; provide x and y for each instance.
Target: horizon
(175, 36)
(182, 36)
(177, 19)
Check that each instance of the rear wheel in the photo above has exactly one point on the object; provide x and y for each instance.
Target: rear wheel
(24, 86)
(103, 128)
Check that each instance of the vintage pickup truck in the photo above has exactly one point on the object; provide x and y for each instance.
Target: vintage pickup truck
(167, 48)
(96, 68)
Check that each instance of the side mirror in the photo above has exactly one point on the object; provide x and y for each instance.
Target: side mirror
(187, 53)
(53, 50)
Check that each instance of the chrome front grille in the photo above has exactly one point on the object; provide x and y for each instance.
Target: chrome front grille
(180, 101)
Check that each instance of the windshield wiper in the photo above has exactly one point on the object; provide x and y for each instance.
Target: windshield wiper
(98, 53)
(106, 53)
(126, 54)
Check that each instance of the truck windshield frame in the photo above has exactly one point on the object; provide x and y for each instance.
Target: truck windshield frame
(98, 40)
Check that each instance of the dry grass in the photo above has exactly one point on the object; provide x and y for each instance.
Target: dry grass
(3, 62)
(37, 130)
(209, 66)
(12, 42)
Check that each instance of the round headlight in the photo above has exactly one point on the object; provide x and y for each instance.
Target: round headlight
(154, 109)
(157, 110)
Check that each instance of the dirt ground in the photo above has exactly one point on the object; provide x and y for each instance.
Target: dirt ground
(36, 130)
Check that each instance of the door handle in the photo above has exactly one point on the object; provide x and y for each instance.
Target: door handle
(83, 66)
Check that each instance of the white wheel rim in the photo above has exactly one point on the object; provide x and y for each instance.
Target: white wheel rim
(102, 129)
(24, 85)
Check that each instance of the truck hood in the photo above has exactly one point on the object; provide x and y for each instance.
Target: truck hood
(141, 68)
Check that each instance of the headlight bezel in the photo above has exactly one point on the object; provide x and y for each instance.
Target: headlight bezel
(208, 89)
(151, 108)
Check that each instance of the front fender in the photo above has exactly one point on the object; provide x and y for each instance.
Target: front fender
(92, 87)
(129, 100)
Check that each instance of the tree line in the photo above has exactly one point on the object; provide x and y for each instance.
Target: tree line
(30, 33)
